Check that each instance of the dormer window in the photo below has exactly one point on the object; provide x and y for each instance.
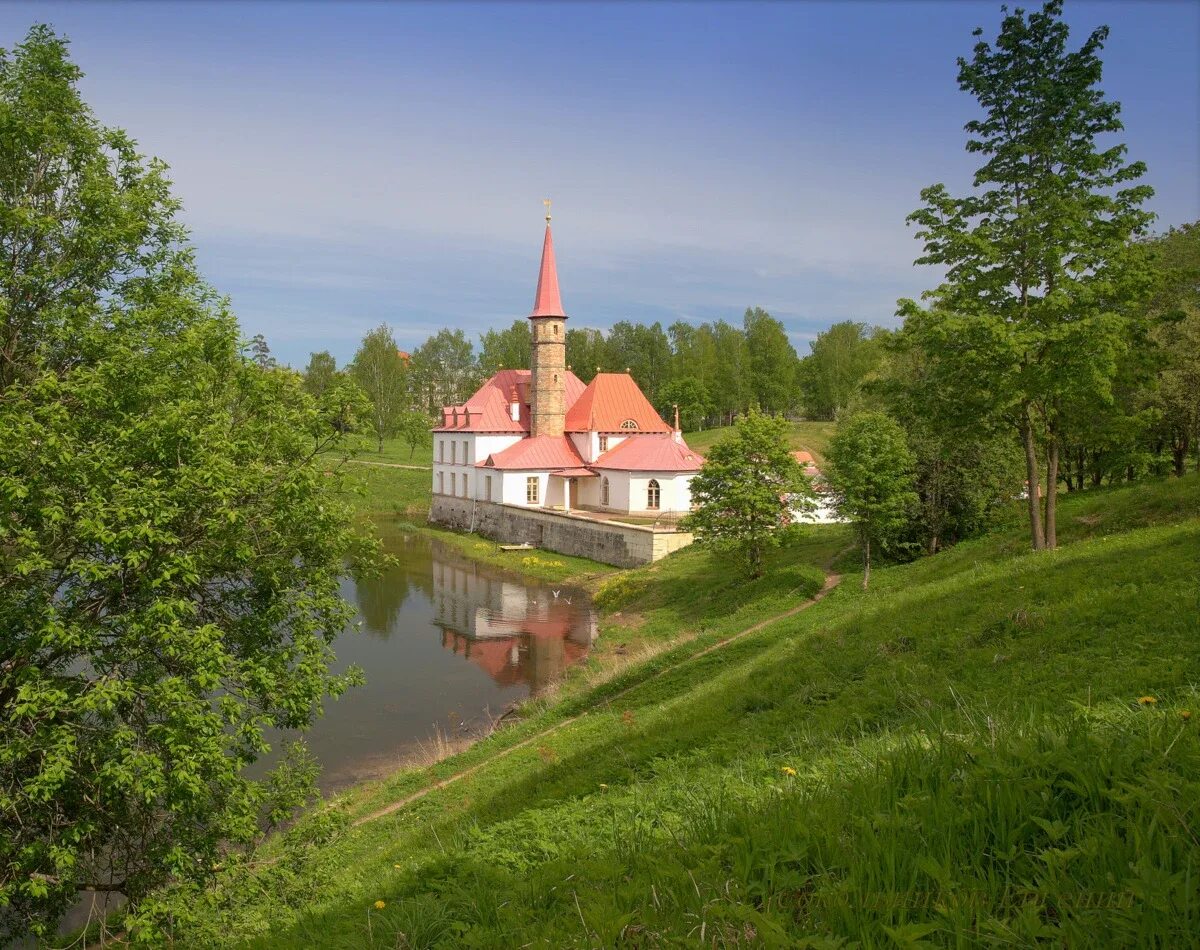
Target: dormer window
(629, 424)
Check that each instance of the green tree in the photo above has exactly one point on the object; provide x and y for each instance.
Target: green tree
(415, 429)
(320, 373)
(964, 475)
(730, 382)
(506, 349)
(692, 398)
(382, 373)
(772, 361)
(644, 351)
(748, 490)
(444, 370)
(586, 352)
(170, 552)
(260, 352)
(1043, 276)
(1175, 398)
(870, 469)
(840, 359)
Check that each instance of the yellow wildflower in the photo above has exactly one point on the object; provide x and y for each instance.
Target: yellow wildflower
(602, 785)
(788, 770)
(380, 905)
(396, 866)
(1185, 714)
(1146, 700)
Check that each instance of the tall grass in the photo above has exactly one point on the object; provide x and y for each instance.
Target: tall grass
(971, 766)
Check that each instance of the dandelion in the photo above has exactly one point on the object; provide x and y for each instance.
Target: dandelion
(380, 905)
(1146, 700)
(1185, 714)
(788, 770)
(396, 866)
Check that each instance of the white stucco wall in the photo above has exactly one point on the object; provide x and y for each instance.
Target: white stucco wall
(468, 448)
(629, 491)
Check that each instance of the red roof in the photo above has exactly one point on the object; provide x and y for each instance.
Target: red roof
(547, 302)
(651, 453)
(490, 409)
(540, 453)
(608, 404)
(804, 458)
(574, 473)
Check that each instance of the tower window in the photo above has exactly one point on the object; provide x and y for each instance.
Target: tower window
(556, 329)
(653, 494)
(604, 491)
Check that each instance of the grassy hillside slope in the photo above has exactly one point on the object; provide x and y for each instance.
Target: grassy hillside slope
(958, 755)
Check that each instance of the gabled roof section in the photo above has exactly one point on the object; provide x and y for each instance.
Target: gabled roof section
(612, 402)
(489, 409)
(547, 301)
(651, 453)
(543, 453)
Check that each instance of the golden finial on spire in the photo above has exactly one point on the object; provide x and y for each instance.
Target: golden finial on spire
(546, 202)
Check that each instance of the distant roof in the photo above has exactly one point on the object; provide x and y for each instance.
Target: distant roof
(490, 408)
(539, 453)
(804, 458)
(610, 403)
(651, 453)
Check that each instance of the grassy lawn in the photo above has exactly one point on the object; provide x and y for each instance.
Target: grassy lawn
(365, 447)
(811, 436)
(956, 756)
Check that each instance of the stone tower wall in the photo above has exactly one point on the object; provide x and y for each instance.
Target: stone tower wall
(548, 410)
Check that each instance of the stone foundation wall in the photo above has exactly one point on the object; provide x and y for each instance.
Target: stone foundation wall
(624, 545)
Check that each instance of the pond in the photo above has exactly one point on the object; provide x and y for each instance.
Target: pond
(447, 646)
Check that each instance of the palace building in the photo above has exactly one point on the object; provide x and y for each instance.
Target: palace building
(540, 438)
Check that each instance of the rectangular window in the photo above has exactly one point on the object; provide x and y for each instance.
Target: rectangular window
(531, 490)
(441, 450)
(453, 452)
(440, 484)
(487, 484)
(466, 459)
(603, 443)
(464, 491)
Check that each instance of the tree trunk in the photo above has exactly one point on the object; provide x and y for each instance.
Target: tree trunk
(866, 563)
(1179, 449)
(1081, 471)
(1033, 482)
(1052, 493)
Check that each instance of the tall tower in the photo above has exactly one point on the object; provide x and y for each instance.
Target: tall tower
(548, 362)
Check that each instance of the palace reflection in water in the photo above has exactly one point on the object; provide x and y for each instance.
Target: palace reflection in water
(515, 632)
(447, 645)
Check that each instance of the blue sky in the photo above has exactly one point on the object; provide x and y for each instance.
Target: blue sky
(346, 165)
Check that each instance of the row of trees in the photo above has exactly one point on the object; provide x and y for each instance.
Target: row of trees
(713, 372)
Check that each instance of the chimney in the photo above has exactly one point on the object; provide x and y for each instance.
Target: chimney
(677, 433)
(514, 405)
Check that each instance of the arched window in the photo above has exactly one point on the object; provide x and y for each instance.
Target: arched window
(629, 424)
(604, 491)
(653, 494)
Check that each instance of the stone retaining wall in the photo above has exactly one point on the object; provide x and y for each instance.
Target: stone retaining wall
(624, 545)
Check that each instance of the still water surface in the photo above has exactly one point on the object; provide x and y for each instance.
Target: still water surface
(445, 643)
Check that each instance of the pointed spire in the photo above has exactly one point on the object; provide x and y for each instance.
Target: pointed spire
(548, 301)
